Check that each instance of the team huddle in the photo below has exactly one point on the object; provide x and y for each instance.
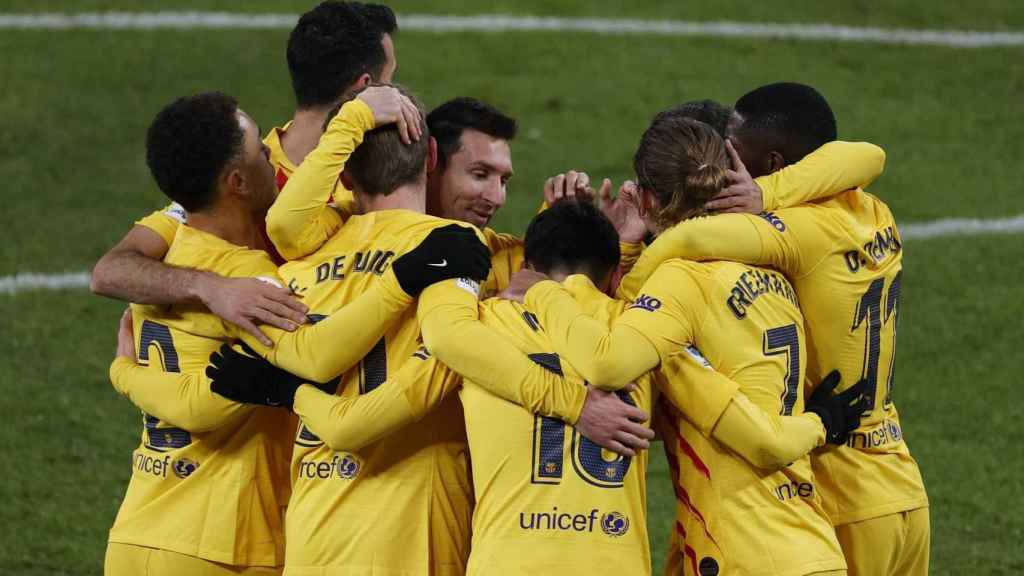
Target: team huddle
(342, 369)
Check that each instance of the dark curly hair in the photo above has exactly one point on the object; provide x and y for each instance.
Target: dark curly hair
(574, 235)
(794, 119)
(333, 45)
(449, 120)
(707, 111)
(189, 144)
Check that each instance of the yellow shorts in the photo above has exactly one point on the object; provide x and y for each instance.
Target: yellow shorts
(130, 560)
(893, 544)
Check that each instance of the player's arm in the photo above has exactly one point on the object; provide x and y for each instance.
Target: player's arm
(183, 400)
(133, 270)
(351, 422)
(766, 240)
(606, 357)
(449, 321)
(300, 220)
(330, 347)
(833, 168)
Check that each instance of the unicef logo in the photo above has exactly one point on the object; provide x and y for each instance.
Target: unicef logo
(347, 468)
(183, 467)
(614, 524)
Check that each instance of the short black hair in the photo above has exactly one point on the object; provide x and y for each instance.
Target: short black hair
(332, 46)
(448, 121)
(793, 118)
(574, 235)
(382, 163)
(189, 144)
(710, 112)
(381, 16)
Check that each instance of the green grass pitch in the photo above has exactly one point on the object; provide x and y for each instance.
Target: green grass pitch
(75, 104)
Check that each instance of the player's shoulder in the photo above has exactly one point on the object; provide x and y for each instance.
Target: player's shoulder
(194, 248)
(423, 224)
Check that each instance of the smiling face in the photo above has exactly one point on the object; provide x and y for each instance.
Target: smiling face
(472, 185)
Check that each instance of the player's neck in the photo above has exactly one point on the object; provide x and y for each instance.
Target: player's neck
(407, 197)
(235, 224)
(304, 133)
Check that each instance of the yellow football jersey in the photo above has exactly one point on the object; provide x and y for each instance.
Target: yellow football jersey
(549, 500)
(746, 322)
(215, 492)
(400, 505)
(844, 256)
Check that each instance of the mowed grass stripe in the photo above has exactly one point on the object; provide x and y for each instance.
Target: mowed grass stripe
(507, 23)
(946, 227)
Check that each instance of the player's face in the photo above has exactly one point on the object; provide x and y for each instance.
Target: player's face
(746, 146)
(472, 186)
(390, 62)
(255, 167)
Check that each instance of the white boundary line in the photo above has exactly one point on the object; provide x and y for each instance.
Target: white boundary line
(28, 281)
(503, 23)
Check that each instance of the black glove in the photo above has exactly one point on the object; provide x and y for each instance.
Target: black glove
(840, 413)
(250, 379)
(450, 252)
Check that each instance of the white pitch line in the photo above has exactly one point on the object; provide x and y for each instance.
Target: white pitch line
(505, 23)
(27, 281)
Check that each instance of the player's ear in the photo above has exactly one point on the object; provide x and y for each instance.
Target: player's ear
(431, 155)
(346, 181)
(234, 181)
(775, 162)
(363, 81)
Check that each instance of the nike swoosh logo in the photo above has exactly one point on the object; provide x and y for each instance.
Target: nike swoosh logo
(440, 264)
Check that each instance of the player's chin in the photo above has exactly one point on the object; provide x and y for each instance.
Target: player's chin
(477, 219)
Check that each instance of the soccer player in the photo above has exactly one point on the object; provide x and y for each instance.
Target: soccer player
(210, 476)
(844, 256)
(334, 49)
(567, 469)
(732, 518)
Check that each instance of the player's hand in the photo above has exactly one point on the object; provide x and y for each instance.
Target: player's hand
(613, 424)
(450, 252)
(743, 193)
(391, 106)
(249, 379)
(623, 210)
(840, 413)
(520, 284)
(571, 184)
(247, 301)
(126, 337)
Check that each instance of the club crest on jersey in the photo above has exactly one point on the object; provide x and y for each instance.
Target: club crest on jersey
(645, 302)
(347, 468)
(614, 524)
(183, 467)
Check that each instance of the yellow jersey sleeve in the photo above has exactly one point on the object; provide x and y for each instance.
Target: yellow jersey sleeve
(300, 220)
(628, 255)
(829, 170)
(348, 423)
(165, 222)
(606, 358)
(181, 399)
(450, 323)
(765, 440)
(313, 352)
(698, 391)
(789, 241)
(506, 259)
